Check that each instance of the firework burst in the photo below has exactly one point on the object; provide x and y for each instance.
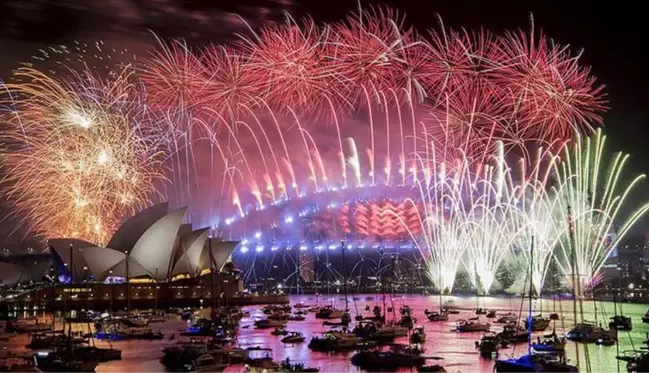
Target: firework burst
(76, 156)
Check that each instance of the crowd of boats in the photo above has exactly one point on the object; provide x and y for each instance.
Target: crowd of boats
(210, 341)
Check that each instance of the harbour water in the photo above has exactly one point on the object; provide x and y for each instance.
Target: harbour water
(457, 349)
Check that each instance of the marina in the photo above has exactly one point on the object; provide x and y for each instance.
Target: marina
(455, 351)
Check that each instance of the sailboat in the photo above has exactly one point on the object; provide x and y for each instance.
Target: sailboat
(534, 362)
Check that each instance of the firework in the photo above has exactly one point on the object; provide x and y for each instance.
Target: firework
(76, 159)
(591, 197)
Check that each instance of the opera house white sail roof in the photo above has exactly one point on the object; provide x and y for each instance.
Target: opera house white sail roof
(149, 244)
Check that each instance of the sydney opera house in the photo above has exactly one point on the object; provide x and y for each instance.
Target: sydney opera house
(153, 259)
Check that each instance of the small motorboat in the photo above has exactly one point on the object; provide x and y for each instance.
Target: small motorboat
(279, 331)
(605, 340)
(472, 326)
(328, 312)
(437, 316)
(301, 305)
(620, 322)
(481, 311)
(491, 314)
(293, 337)
(296, 318)
(418, 335)
(339, 341)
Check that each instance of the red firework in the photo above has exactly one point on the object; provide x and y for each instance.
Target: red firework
(367, 50)
(230, 86)
(553, 96)
(289, 63)
(172, 75)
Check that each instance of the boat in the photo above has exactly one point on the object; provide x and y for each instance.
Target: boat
(437, 316)
(301, 305)
(480, 311)
(296, 318)
(589, 333)
(62, 362)
(508, 318)
(287, 366)
(488, 345)
(431, 368)
(418, 335)
(260, 357)
(554, 316)
(551, 344)
(407, 321)
(636, 361)
(328, 312)
(125, 329)
(375, 360)
(205, 363)
(513, 333)
(645, 318)
(278, 316)
(605, 340)
(28, 326)
(491, 314)
(267, 323)
(279, 331)
(539, 323)
(620, 322)
(46, 340)
(472, 326)
(534, 363)
(293, 337)
(338, 341)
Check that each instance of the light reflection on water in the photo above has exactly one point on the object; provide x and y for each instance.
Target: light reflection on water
(457, 349)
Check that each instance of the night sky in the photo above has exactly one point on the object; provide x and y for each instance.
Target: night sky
(613, 35)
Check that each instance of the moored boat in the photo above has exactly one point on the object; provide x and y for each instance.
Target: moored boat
(293, 337)
(472, 326)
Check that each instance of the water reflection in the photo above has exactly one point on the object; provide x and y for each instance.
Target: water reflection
(457, 349)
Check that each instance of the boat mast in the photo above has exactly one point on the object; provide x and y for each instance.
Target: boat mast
(529, 311)
(342, 245)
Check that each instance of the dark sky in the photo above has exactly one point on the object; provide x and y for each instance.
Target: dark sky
(613, 34)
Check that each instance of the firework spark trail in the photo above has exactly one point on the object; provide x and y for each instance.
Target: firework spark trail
(77, 156)
(593, 191)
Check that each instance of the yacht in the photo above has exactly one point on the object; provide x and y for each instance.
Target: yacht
(268, 323)
(589, 333)
(489, 345)
(328, 312)
(534, 363)
(437, 316)
(472, 326)
(336, 341)
(508, 318)
(513, 333)
(539, 323)
(551, 344)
